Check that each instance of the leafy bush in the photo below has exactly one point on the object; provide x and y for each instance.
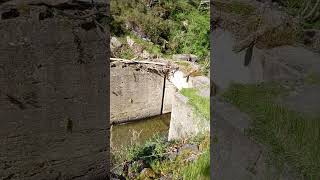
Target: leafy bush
(153, 149)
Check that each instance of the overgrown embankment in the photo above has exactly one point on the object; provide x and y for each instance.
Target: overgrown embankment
(184, 159)
(285, 33)
(292, 137)
(161, 29)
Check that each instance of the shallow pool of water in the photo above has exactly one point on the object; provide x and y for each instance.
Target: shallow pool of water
(138, 131)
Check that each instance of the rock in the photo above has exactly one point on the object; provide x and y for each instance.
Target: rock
(173, 155)
(185, 57)
(136, 166)
(189, 147)
(130, 41)
(185, 24)
(114, 44)
(132, 175)
(167, 177)
(147, 173)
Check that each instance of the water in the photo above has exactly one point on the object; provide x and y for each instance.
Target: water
(123, 135)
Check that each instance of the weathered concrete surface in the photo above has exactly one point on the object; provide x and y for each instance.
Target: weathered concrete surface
(136, 93)
(184, 121)
(305, 99)
(228, 66)
(279, 63)
(235, 154)
(53, 98)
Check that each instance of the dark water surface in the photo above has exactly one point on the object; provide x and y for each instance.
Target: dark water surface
(138, 131)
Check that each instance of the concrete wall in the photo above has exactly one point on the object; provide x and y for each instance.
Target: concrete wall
(279, 63)
(184, 121)
(52, 73)
(137, 93)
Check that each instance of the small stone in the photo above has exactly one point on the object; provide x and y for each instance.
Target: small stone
(115, 42)
(147, 173)
(145, 54)
(130, 41)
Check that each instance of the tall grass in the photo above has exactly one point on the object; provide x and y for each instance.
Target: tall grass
(292, 137)
(200, 104)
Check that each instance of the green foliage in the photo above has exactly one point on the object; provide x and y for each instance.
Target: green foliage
(292, 137)
(200, 169)
(179, 167)
(312, 78)
(126, 53)
(195, 40)
(200, 104)
(149, 46)
(154, 154)
(163, 24)
(153, 149)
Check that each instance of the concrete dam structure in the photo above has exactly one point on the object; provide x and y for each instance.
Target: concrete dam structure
(140, 91)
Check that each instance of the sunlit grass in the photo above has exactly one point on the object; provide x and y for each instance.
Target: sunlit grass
(200, 104)
(292, 137)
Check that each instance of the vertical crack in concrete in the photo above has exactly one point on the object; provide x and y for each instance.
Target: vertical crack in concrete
(163, 93)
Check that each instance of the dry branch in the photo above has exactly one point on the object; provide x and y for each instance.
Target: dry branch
(141, 62)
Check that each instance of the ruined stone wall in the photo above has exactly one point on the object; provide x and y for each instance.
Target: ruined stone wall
(137, 93)
(53, 96)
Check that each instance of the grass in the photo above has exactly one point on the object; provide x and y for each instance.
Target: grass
(184, 66)
(292, 137)
(163, 24)
(126, 53)
(154, 153)
(149, 46)
(181, 168)
(236, 7)
(200, 169)
(200, 104)
(312, 78)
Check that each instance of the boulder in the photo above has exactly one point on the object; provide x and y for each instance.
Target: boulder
(115, 43)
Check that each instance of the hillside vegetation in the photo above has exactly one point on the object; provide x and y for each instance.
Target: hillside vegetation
(166, 28)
